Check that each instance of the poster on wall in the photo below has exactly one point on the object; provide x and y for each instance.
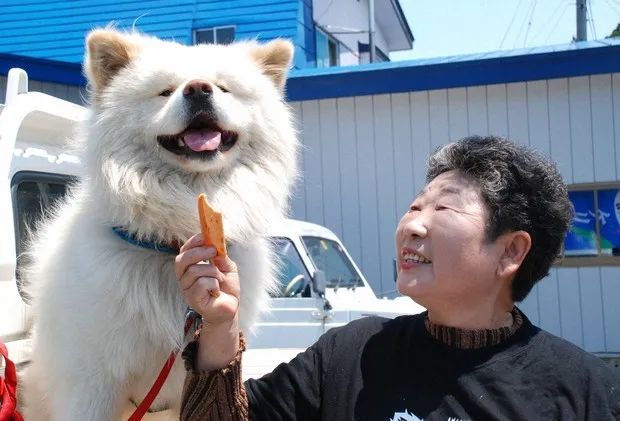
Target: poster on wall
(609, 221)
(581, 238)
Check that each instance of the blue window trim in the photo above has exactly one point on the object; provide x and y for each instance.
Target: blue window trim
(587, 58)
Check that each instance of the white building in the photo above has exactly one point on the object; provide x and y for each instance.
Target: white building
(342, 30)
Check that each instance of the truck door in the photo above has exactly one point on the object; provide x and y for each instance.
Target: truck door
(292, 321)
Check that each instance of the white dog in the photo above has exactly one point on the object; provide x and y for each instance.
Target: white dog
(167, 122)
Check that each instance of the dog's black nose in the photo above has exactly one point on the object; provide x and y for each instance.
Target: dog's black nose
(199, 95)
(197, 90)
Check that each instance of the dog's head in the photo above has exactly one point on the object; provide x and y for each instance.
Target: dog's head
(169, 121)
(199, 107)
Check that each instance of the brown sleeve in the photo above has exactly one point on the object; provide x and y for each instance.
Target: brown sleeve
(213, 395)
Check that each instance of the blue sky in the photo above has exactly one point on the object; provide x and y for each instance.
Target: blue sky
(453, 27)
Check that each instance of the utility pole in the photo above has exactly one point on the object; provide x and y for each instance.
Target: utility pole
(582, 29)
(371, 29)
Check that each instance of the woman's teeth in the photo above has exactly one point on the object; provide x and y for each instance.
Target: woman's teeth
(415, 258)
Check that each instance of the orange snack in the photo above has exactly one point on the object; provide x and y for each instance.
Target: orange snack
(212, 228)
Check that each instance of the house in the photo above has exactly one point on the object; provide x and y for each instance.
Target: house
(325, 32)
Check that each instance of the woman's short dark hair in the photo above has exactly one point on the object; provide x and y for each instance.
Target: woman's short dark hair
(523, 191)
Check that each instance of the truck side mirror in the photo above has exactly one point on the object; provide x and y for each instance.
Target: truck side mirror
(395, 270)
(319, 283)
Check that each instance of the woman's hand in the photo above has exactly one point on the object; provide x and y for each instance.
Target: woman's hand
(212, 289)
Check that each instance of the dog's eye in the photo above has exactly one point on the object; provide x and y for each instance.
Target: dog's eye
(222, 88)
(166, 92)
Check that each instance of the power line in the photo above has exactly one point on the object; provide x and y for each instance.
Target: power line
(514, 15)
(550, 18)
(529, 24)
(325, 11)
(523, 24)
(557, 22)
(591, 19)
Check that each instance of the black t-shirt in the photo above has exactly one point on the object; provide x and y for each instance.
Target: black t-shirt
(382, 370)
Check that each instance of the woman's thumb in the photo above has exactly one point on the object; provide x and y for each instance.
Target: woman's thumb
(224, 264)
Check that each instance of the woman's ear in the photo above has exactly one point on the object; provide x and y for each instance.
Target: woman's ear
(517, 245)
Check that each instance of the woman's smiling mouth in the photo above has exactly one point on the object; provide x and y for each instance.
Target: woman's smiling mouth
(409, 258)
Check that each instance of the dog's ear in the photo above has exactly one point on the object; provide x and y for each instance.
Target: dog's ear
(275, 58)
(107, 51)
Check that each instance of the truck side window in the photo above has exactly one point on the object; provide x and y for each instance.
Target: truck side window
(33, 194)
(293, 277)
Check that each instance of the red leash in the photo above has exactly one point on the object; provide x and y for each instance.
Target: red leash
(8, 387)
(163, 374)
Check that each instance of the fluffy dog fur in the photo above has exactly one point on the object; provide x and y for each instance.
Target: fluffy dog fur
(108, 313)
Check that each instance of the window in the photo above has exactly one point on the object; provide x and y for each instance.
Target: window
(33, 194)
(293, 278)
(595, 230)
(328, 256)
(364, 54)
(216, 35)
(327, 51)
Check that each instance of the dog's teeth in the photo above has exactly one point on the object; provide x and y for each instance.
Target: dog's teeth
(180, 143)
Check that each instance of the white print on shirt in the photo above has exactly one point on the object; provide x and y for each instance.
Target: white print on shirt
(406, 416)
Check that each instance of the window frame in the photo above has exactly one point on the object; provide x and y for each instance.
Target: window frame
(346, 260)
(329, 39)
(599, 260)
(214, 30)
(311, 292)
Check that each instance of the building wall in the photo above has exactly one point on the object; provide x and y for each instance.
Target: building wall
(72, 93)
(364, 160)
(56, 30)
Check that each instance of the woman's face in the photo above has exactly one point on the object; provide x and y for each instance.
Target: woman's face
(442, 253)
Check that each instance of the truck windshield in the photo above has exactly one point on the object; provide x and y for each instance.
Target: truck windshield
(328, 256)
(293, 278)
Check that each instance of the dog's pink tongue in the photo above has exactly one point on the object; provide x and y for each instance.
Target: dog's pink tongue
(202, 140)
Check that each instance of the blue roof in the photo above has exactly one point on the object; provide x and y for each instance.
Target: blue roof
(549, 62)
(521, 65)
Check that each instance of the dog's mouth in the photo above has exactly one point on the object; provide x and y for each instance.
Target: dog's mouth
(201, 139)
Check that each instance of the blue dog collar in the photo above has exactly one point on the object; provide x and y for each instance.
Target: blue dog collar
(130, 238)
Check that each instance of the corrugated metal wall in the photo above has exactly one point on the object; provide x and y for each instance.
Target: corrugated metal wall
(364, 160)
(71, 93)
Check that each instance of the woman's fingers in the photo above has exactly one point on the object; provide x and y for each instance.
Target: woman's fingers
(214, 309)
(200, 292)
(190, 257)
(197, 271)
(194, 241)
(224, 264)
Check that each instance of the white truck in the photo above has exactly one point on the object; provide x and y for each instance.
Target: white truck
(320, 287)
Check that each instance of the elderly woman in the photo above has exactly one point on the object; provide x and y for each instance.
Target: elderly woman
(488, 225)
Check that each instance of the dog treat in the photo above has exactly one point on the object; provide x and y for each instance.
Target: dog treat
(212, 229)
